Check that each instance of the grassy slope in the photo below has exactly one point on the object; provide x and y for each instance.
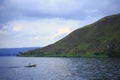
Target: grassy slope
(94, 40)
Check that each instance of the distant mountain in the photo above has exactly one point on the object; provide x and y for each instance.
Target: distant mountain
(100, 39)
(14, 51)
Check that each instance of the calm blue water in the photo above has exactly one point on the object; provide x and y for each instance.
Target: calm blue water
(12, 68)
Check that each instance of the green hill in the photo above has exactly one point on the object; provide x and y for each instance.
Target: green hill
(100, 39)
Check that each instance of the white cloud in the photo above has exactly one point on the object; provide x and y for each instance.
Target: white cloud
(43, 26)
(64, 30)
(17, 28)
(37, 32)
(2, 32)
(61, 31)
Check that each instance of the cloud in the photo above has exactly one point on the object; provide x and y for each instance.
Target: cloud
(44, 6)
(64, 30)
(61, 31)
(2, 32)
(67, 9)
(41, 32)
(37, 26)
(17, 28)
(38, 32)
(42, 22)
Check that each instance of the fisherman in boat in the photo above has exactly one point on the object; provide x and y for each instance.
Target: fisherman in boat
(31, 65)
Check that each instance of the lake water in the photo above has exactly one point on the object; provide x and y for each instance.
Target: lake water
(49, 68)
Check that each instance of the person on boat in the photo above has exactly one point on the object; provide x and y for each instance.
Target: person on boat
(29, 64)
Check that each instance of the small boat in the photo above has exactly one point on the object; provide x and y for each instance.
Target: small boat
(33, 65)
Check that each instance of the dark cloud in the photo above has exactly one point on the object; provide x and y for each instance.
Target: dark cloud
(69, 9)
(1, 2)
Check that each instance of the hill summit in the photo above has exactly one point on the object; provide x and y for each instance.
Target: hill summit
(100, 39)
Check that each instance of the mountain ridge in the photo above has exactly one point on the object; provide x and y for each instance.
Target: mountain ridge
(99, 39)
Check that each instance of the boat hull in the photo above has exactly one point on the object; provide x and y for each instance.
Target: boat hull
(34, 65)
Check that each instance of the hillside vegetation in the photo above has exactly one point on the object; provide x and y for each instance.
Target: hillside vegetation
(100, 39)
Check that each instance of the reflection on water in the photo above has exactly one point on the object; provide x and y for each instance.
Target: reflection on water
(12, 68)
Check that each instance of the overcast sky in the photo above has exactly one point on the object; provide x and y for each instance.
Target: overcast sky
(37, 23)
